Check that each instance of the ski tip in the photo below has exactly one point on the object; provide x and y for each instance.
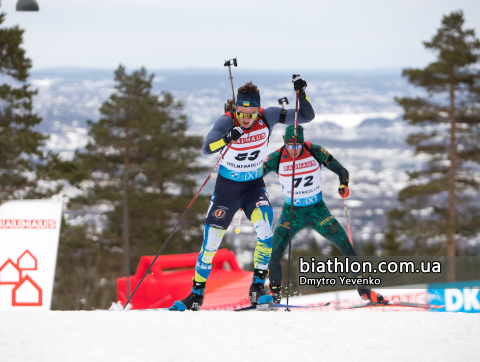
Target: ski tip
(178, 307)
(394, 304)
(245, 309)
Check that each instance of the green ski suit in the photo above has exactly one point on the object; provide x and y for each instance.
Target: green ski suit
(315, 216)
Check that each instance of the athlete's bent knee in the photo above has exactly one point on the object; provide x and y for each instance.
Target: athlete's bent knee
(262, 220)
(212, 237)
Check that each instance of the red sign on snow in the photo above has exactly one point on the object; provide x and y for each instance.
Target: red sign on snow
(25, 293)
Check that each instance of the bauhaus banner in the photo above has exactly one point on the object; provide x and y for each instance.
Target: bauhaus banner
(29, 234)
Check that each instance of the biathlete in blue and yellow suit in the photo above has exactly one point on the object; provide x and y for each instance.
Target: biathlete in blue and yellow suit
(240, 183)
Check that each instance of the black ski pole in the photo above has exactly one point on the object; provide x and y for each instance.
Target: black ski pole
(292, 198)
(230, 105)
(283, 113)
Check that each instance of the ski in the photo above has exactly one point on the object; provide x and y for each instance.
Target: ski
(258, 307)
(395, 304)
(130, 310)
(274, 307)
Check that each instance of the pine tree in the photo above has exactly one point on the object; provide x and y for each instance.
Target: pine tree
(391, 246)
(139, 129)
(20, 145)
(369, 248)
(436, 207)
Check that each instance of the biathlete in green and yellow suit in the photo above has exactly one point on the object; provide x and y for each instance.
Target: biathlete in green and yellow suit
(309, 209)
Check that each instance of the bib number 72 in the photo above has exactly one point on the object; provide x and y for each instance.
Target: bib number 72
(298, 180)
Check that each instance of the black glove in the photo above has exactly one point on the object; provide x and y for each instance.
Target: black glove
(299, 83)
(234, 134)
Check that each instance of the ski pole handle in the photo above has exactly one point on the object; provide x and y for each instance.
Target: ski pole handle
(230, 62)
(282, 100)
(295, 76)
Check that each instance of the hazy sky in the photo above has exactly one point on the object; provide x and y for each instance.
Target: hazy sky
(263, 34)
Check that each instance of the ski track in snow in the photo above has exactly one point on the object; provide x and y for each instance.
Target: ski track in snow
(227, 336)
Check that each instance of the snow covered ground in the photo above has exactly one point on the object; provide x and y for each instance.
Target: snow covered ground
(228, 336)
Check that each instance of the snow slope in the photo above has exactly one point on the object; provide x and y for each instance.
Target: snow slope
(228, 336)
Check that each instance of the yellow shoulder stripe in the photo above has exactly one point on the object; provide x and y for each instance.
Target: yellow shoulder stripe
(308, 100)
(216, 145)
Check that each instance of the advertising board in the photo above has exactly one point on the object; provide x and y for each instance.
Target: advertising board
(29, 235)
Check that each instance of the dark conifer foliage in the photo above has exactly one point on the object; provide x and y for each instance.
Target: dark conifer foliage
(391, 246)
(20, 145)
(369, 249)
(439, 207)
(140, 129)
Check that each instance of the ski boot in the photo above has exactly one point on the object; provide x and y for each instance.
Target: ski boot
(257, 290)
(193, 301)
(276, 293)
(368, 294)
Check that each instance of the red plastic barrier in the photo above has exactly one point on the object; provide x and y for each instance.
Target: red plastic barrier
(170, 279)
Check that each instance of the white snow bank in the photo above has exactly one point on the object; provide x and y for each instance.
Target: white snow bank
(229, 336)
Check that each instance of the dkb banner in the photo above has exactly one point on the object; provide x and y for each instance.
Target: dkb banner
(456, 297)
(29, 233)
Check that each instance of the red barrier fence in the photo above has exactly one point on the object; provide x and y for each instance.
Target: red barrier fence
(171, 276)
